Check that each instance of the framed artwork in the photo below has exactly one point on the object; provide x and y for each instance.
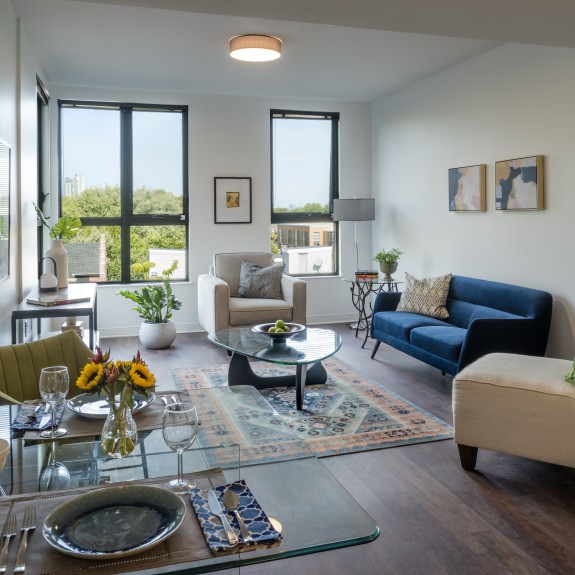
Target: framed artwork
(233, 200)
(519, 184)
(4, 210)
(467, 189)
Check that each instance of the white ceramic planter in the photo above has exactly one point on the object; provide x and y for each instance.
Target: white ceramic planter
(157, 335)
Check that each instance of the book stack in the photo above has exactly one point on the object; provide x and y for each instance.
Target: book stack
(366, 275)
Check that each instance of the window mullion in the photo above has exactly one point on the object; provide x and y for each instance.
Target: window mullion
(126, 189)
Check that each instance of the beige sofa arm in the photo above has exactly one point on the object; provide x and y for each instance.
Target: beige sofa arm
(294, 292)
(213, 303)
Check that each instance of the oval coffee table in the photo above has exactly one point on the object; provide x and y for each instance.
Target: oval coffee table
(311, 346)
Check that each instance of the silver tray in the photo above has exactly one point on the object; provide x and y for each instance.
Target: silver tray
(142, 516)
(96, 406)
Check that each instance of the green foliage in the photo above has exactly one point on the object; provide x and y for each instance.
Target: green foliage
(65, 228)
(155, 302)
(389, 257)
(313, 208)
(571, 375)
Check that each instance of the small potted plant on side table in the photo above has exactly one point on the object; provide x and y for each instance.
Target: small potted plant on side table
(388, 262)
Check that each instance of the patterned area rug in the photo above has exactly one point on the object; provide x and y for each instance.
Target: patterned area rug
(349, 413)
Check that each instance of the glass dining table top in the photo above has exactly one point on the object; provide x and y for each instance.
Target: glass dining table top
(314, 510)
(309, 346)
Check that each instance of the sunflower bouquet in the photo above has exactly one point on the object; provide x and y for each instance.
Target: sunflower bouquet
(118, 380)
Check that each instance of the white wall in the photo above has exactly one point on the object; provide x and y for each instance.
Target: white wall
(230, 136)
(510, 102)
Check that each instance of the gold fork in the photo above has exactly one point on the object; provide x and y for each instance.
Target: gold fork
(28, 524)
(9, 531)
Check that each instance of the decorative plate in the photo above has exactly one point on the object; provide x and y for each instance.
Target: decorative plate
(114, 522)
(261, 527)
(294, 328)
(96, 406)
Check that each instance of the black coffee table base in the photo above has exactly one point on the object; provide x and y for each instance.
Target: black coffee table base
(241, 373)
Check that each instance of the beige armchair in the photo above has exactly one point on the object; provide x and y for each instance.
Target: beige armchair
(220, 308)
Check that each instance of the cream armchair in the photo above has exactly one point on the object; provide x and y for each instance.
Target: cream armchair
(220, 308)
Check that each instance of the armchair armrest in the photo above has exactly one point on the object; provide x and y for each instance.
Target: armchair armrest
(213, 303)
(294, 292)
(386, 301)
(496, 335)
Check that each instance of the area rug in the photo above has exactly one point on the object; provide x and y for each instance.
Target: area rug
(349, 413)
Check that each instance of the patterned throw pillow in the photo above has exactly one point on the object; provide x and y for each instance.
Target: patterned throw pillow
(426, 297)
(258, 282)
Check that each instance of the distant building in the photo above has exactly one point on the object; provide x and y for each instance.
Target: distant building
(164, 258)
(74, 186)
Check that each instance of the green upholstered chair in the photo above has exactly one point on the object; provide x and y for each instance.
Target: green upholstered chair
(21, 364)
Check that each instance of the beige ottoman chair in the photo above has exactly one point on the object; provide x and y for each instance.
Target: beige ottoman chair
(515, 404)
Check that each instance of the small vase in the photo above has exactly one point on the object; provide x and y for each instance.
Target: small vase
(120, 432)
(60, 256)
(387, 270)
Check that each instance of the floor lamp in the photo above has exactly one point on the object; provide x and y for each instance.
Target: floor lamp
(354, 210)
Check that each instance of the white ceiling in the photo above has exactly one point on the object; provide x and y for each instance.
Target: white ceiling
(346, 50)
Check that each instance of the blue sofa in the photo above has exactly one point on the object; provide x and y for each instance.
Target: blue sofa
(484, 317)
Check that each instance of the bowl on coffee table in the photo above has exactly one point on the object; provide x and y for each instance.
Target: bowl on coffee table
(275, 336)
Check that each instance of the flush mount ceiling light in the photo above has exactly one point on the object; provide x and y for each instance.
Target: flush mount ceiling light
(255, 48)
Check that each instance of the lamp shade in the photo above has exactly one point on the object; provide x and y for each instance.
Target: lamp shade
(255, 48)
(354, 210)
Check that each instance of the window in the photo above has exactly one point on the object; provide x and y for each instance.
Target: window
(304, 157)
(124, 173)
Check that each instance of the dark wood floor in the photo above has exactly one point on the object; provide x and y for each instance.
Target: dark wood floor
(511, 516)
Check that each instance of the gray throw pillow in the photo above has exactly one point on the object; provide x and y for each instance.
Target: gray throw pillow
(426, 297)
(258, 282)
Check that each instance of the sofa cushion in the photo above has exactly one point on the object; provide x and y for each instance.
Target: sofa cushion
(259, 282)
(462, 313)
(254, 311)
(399, 324)
(443, 341)
(426, 296)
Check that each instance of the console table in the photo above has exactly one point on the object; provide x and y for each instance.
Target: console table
(360, 290)
(87, 309)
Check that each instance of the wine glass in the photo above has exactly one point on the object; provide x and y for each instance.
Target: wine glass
(180, 428)
(55, 475)
(54, 385)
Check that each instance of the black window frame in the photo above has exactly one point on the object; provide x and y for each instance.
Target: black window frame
(127, 218)
(305, 217)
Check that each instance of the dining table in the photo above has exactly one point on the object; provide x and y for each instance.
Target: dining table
(307, 508)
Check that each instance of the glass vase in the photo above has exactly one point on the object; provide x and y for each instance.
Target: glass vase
(120, 432)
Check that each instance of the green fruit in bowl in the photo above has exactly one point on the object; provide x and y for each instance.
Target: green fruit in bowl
(272, 329)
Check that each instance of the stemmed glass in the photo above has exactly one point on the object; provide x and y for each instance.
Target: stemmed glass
(55, 475)
(54, 385)
(180, 428)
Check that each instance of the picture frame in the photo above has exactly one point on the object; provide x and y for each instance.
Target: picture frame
(232, 200)
(467, 188)
(5, 171)
(519, 184)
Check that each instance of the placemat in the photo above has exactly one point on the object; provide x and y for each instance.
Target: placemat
(147, 419)
(186, 544)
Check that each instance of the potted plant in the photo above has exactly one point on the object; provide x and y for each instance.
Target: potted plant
(65, 228)
(155, 304)
(388, 262)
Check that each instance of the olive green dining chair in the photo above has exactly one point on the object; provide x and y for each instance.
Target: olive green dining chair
(21, 364)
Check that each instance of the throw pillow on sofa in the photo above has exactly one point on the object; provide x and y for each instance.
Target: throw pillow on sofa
(259, 282)
(425, 297)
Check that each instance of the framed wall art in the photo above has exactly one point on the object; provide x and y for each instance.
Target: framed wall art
(467, 189)
(233, 200)
(519, 184)
(4, 209)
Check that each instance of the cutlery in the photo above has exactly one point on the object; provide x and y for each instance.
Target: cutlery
(28, 524)
(46, 417)
(232, 502)
(9, 531)
(216, 509)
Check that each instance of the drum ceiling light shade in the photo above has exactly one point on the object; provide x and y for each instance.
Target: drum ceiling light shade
(255, 48)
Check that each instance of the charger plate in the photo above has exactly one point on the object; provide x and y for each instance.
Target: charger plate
(114, 521)
(96, 406)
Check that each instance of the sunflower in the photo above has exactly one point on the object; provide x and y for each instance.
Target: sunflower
(91, 376)
(141, 376)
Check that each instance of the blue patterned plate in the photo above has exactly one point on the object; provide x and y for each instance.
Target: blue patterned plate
(254, 517)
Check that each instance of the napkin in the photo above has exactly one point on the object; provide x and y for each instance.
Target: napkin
(28, 418)
(254, 517)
